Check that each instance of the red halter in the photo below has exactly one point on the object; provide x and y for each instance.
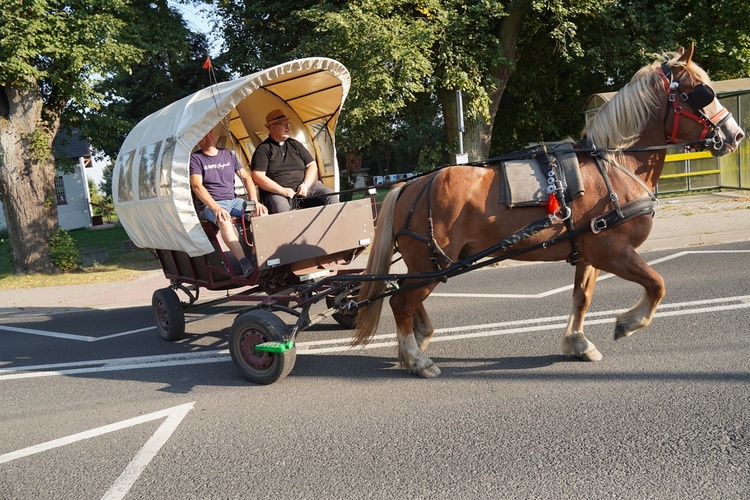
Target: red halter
(702, 95)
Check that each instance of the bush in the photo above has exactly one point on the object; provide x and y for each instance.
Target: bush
(65, 253)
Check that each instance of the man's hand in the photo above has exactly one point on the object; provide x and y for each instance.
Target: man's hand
(260, 209)
(222, 214)
(302, 189)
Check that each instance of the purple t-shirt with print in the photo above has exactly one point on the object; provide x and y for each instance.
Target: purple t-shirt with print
(217, 171)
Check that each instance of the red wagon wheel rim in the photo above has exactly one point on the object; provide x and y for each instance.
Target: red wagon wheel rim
(258, 359)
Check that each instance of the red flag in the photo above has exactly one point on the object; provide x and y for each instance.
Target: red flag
(552, 204)
(207, 64)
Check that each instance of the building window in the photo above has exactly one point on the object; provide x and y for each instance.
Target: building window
(60, 190)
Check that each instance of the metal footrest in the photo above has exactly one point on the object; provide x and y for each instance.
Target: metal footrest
(279, 347)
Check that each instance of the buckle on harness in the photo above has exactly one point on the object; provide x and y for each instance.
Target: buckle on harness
(598, 225)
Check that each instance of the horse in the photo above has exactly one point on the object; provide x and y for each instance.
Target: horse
(453, 213)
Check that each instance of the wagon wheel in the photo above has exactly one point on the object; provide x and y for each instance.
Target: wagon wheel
(344, 315)
(259, 327)
(170, 318)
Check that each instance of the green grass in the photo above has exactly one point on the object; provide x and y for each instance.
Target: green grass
(123, 263)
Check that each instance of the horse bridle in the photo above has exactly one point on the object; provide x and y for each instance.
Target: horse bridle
(701, 96)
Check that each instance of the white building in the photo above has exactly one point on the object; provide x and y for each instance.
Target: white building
(73, 202)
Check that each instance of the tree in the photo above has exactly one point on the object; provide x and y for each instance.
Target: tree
(50, 52)
(398, 49)
(106, 183)
(544, 100)
(170, 68)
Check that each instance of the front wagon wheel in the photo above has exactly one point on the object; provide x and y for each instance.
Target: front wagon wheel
(170, 318)
(258, 327)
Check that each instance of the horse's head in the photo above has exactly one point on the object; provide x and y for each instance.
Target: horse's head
(693, 113)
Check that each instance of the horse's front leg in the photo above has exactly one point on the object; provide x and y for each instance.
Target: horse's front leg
(632, 267)
(574, 342)
(410, 315)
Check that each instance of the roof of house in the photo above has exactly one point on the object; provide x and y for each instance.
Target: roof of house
(70, 145)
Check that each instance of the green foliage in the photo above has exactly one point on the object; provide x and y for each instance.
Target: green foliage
(545, 97)
(106, 183)
(65, 253)
(62, 45)
(169, 69)
(402, 53)
(39, 145)
(94, 194)
(123, 263)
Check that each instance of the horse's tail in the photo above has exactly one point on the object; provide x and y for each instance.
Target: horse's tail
(379, 262)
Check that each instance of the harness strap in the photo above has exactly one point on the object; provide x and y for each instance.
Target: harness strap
(634, 177)
(612, 195)
(630, 210)
(436, 251)
(557, 188)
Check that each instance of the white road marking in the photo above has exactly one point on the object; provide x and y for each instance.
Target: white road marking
(382, 340)
(143, 457)
(540, 295)
(173, 416)
(70, 336)
(87, 338)
(117, 364)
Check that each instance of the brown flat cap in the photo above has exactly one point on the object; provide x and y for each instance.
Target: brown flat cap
(275, 116)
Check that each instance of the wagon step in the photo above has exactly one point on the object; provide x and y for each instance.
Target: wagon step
(279, 347)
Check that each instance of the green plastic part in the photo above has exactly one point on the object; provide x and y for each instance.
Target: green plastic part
(279, 347)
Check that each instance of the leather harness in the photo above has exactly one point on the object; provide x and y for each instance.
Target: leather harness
(620, 214)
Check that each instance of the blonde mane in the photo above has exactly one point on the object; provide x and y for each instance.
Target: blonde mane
(619, 123)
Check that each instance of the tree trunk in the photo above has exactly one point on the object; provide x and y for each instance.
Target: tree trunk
(27, 178)
(478, 131)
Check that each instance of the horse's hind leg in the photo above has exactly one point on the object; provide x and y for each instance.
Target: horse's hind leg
(423, 328)
(414, 331)
(574, 342)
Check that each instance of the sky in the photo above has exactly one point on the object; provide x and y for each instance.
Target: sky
(196, 21)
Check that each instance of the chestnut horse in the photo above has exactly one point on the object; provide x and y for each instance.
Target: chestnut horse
(454, 213)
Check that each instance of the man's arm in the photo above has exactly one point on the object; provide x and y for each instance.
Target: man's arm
(267, 184)
(311, 175)
(252, 192)
(196, 184)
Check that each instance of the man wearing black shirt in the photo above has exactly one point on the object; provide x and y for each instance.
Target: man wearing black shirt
(283, 168)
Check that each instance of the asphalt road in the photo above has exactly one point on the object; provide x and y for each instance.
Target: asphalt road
(94, 405)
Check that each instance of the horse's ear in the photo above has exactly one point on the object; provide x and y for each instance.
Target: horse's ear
(686, 55)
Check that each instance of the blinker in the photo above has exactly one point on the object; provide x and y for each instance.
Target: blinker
(701, 96)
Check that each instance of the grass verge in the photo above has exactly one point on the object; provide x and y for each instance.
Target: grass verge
(123, 263)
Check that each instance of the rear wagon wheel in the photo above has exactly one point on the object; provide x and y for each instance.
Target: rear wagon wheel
(344, 316)
(170, 318)
(257, 327)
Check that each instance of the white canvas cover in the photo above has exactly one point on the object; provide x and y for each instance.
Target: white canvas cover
(150, 181)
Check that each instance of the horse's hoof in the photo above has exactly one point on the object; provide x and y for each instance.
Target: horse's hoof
(431, 371)
(591, 354)
(576, 345)
(425, 368)
(621, 331)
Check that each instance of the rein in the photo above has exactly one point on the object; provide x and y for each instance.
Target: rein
(630, 210)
